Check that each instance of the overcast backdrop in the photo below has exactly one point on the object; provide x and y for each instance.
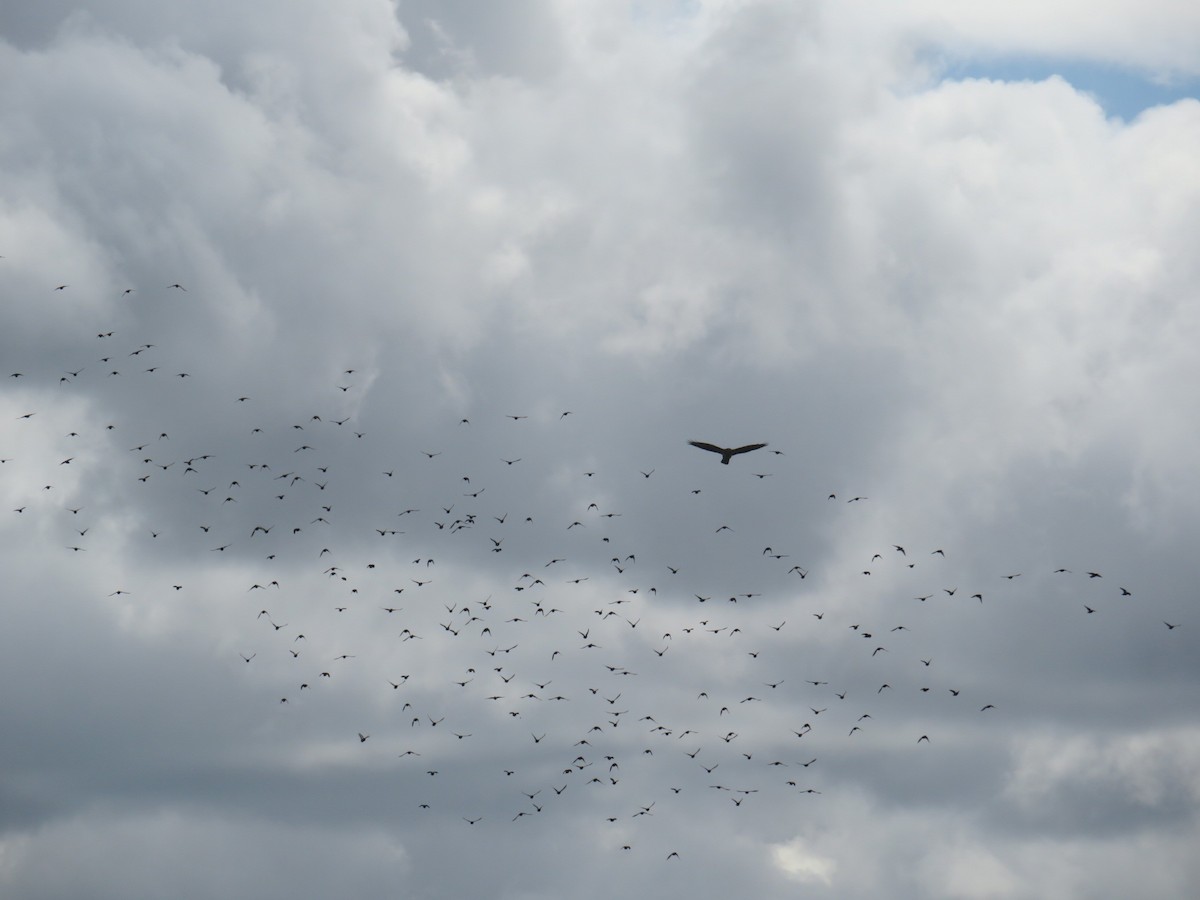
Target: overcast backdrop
(352, 542)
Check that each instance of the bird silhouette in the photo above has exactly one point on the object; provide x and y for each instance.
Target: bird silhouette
(727, 453)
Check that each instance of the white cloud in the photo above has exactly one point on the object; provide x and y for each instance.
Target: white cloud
(798, 863)
(968, 302)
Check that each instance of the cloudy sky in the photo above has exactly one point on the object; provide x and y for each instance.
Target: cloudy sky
(352, 541)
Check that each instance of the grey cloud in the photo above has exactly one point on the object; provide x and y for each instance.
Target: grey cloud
(963, 302)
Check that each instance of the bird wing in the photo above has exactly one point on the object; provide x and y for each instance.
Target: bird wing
(710, 447)
(747, 448)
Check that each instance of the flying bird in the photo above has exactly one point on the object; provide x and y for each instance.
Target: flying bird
(727, 453)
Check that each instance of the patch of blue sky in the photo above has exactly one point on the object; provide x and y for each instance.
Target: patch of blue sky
(1122, 92)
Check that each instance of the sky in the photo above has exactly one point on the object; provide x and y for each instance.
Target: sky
(352, 540)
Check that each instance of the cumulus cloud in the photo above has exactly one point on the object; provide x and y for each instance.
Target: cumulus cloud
(363, 409)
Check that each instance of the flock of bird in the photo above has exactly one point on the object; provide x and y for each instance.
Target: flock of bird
(489, 649)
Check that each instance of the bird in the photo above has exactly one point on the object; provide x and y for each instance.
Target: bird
(727, 453)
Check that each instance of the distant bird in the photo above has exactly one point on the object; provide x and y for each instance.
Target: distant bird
(727, 453)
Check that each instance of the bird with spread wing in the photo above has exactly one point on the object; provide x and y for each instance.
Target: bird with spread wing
(727, 453)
